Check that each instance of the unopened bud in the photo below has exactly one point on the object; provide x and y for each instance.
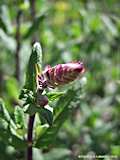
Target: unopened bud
(42, 100)
(61, 74)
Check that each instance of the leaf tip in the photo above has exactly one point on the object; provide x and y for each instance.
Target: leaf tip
(37, 47)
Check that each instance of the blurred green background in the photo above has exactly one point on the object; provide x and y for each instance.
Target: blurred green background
(86, 30)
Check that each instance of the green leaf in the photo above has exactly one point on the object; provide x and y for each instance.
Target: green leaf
(62, 111)
(31, 109)
(11, 139)
(4, 134)
(3, 112)
(18, 143)
(46, 115)
(54, 95)
(19, 117)
(8, 129)
(34, 68)
(26, 96)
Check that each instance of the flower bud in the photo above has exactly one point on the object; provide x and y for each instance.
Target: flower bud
(42, 100)
(61, 74)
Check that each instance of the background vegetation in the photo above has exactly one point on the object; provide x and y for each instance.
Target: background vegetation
(86, 30)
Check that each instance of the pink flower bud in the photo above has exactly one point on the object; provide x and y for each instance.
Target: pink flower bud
(61, 74)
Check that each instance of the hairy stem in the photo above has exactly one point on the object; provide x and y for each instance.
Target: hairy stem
(30, 137)
(31, 118)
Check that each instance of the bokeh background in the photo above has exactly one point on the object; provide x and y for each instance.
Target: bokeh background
(86, 30)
